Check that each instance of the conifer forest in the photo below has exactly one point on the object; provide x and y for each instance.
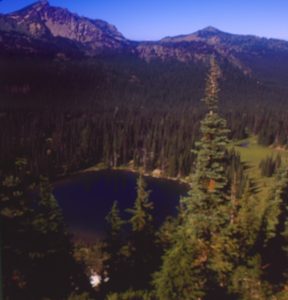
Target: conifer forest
(208, 111)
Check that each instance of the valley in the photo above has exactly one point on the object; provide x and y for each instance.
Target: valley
(160, 166)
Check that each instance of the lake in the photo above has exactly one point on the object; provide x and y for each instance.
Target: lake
(85, 199)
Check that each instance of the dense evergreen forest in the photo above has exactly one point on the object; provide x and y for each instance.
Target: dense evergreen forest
(226, 242)
(119, 111)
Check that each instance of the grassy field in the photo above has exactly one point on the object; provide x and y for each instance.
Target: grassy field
(252, 153)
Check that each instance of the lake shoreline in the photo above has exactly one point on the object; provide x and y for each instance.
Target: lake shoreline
(157, 173)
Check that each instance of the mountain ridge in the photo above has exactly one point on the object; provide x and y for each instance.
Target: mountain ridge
(42, 21)
(41, 29)
(39, 6)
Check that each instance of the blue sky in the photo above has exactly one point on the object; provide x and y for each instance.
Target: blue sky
(155, 19)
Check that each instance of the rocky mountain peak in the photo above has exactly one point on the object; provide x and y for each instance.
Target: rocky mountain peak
(199, 35)
(210, 29)
(41, 4)
(42, 21)
(42, 28)
(32, 9)
(207, 32)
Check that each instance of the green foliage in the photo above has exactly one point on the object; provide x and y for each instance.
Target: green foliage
(247, 283)
(144, 251)
(35, 240)
(212, 88)
(133, 252)
(149, 118)
(84, 296)
(114, 220)
(180, 274)
(49, 217)
(194, 258)
(237, 174)
(283, 295)
(13, 203)
(227, 236)
(132, 295)
(115, 260)
(168, 229)
(218, 248)
(274, 231)
(210, 181)
(141, 218)
(276, 204)
(246, 219)
(270, 165)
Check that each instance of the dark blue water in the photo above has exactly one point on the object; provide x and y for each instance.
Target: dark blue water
(86, 199)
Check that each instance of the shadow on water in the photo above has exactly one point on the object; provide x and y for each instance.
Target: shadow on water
(86, 199)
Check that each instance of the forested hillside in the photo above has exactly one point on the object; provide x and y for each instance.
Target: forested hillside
(118, 111)
(100, 98)
(208, 108)
(230, 254)
(225, 243)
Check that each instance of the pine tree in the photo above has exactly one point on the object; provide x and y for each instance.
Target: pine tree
(141, 219)
(245, 275)
(15, 210)
(246, 281)
(115, 262)
(38, 251)
(180, 275)
(208, 206)
(144, 252)
(260, 233)
(206, 212)
(275, 250)
(49, 218)
(132, 253)
(52, 249)
(114, 220)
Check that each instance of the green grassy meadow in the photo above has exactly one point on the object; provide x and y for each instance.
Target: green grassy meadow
(252, 153)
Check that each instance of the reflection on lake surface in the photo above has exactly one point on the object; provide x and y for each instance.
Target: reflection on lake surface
(86, 199)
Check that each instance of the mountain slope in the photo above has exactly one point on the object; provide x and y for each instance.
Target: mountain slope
(40, 21)
(43, 30)
(266, 59)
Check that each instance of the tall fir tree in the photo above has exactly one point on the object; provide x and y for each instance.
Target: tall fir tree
(244, 233)
(144, 254)
(115, 260)
(258, 258)
(275, 250)
(53, 248)
(133, 254)
(190, 267)
(141, 214)
(15, 210)
(37, 250)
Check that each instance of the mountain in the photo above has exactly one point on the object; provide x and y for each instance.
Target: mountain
(266, 59)
(43, 23)
(44, 30)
